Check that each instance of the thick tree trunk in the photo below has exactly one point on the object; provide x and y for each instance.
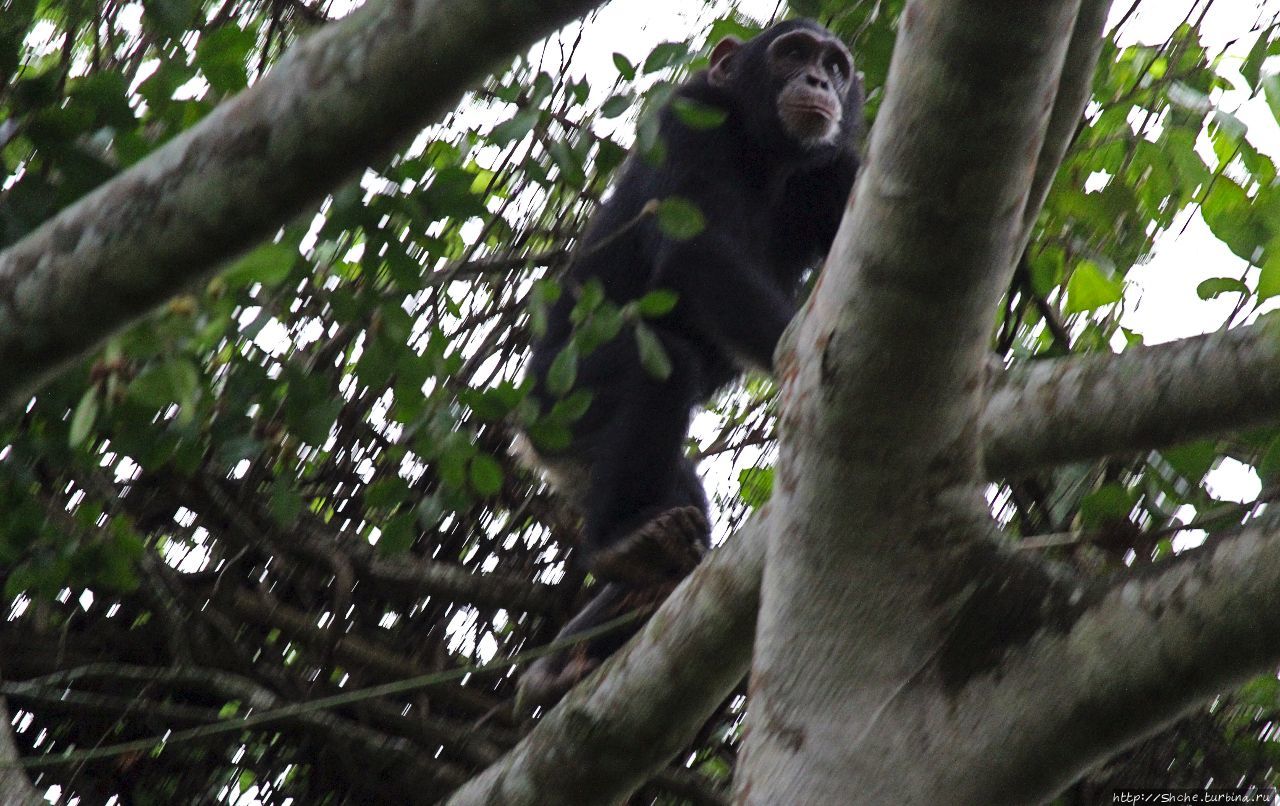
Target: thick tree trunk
(884, 556)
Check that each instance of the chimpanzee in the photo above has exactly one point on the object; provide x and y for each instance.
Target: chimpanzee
(770, 181)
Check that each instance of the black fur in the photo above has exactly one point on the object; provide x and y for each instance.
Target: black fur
(771, 206)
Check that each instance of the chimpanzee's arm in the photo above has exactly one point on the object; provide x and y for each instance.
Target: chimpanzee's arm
(727, 295)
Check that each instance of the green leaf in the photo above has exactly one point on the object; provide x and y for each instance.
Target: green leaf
(568, 162)
(169, 17)
(159, 87)
(314, 425)
(451, 194)
(616, 105)
(1214, 287)
(563, 371)
(697, 115)
(84, 416)
(1047, 268)
(285, 505)
(1226, 131)
(590, 297)
(543, 85)
(222, 55)
(1089, 289)
(386, 493)
(1107, 504)
(626, 68)
(602, 326)
(543, 295)
(680, 219)
(571, 407)
(107, 94)
(1269, 466)
(665, 55)
(1252, 67)
(159, 385)
(609, 155)
(653, 357)
(429, 512)
(1232, 218)
(1192, 460)
(244, 446)
(658, 303)
(517, 128)
(486, 474)
(269, 264)
(755, 486)
(548, 435)
(115, 566)
(490, 405)
(21, 579)
(397, 535)
(1271, 89)
(1262, 693)
(1269, 278)
(454, 460)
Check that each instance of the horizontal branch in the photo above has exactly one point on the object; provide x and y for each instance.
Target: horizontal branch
(342, 99)
(352, 651)
(1091, 406)
(395, 766)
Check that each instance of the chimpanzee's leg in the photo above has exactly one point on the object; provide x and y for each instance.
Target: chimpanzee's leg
(646, 514)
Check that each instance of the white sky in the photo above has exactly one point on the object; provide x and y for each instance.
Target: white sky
(1160, 296)
(1160, 300)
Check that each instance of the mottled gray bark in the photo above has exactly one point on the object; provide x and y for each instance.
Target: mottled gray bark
(1087, 407)
(1107, 669)
(878, 478)
(15, 787)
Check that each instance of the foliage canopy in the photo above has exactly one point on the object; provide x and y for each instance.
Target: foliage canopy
(296, 481)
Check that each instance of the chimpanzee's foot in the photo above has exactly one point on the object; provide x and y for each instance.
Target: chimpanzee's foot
(550, 678)
(667, 547)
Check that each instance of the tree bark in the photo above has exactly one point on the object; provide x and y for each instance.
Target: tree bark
(614, 730)
(15, 787)
(1086, 407)
(340, 100)
(879, 482)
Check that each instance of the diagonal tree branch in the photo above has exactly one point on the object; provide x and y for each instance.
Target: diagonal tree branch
(342, 99)
(1087, 407)
(1139, 657)
(626, 721)
(1075, 87)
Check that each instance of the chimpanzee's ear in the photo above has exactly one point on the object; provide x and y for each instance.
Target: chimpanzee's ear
(721, 65)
